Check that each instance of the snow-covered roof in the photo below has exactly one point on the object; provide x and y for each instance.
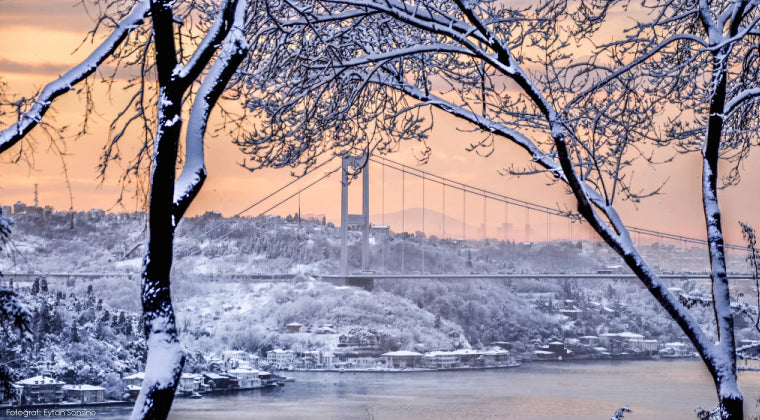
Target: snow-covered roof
(543, 352)
(495, 352)
(40, 380)
(241, 371)
(629, 334)
(83, 387)
(279, 351)
(402, 353)
(294, 324)
(557, 343)
(439, 353)
(138, 375)
(465, 351)
(213, 376)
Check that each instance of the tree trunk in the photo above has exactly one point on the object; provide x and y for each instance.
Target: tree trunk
(165, 355)
(723, 369)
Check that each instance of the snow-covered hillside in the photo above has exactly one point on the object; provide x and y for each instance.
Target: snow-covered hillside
(216, 313)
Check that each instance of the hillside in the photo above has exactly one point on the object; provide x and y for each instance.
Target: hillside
(419, 315)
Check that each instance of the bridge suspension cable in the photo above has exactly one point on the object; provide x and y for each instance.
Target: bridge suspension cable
(528, 206)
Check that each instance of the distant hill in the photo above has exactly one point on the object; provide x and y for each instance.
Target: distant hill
(411, 221)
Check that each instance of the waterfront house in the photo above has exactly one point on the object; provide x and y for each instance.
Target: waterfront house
(280, 357)
(545, 355)
(496, 356)
(134, 379)
(558, 347)
(328, 360)
(440, 360)
(650, 346)
(84, 393)
(247, 378)
(131, 392)
(402, 359)
(265, 377)
(676, 349)
(42, 389)
(628, 342)
(216, 381)
(189, 383)
(553, 351)
(315, 359)
(311, 359)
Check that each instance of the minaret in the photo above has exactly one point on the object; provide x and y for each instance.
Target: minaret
(36, 197)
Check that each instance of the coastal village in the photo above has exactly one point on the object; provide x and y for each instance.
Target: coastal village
(87, 343)
(239, 370)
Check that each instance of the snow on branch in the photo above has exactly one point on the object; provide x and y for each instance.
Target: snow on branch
(233, 50)
(374, 59)
(26, 122)
(210, 43)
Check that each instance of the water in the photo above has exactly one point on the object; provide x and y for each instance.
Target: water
(658, 389)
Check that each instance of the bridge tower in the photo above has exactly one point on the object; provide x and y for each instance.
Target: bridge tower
(354, 162)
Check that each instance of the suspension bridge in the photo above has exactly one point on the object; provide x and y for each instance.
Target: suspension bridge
(457, 212)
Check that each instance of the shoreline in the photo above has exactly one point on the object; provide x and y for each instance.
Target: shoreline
(409, 370)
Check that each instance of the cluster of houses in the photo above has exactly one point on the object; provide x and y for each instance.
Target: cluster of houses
(611, 345)
(462, 358)
(195, 384)
(403, 359)
(44, 390)
(47, 390)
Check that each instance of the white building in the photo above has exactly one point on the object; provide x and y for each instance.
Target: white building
(402, 359)
(440, 359)
(247, 378)
(134, 379)
(189, 383)
(85, 393)
(281, 357)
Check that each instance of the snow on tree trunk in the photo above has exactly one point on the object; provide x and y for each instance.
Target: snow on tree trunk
(165, 354)
(723, 368)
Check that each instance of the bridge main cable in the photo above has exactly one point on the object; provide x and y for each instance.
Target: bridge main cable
(428, 176)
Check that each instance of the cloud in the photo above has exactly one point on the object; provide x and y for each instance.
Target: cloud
(61, 15)
(47, 69)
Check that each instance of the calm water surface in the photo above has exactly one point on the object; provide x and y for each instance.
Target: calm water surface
(552, 390)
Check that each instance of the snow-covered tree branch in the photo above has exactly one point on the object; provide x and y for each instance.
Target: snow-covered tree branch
(28, 120)
(345, 75)
(198, 79)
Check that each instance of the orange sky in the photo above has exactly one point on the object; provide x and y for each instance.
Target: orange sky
(37, 38)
